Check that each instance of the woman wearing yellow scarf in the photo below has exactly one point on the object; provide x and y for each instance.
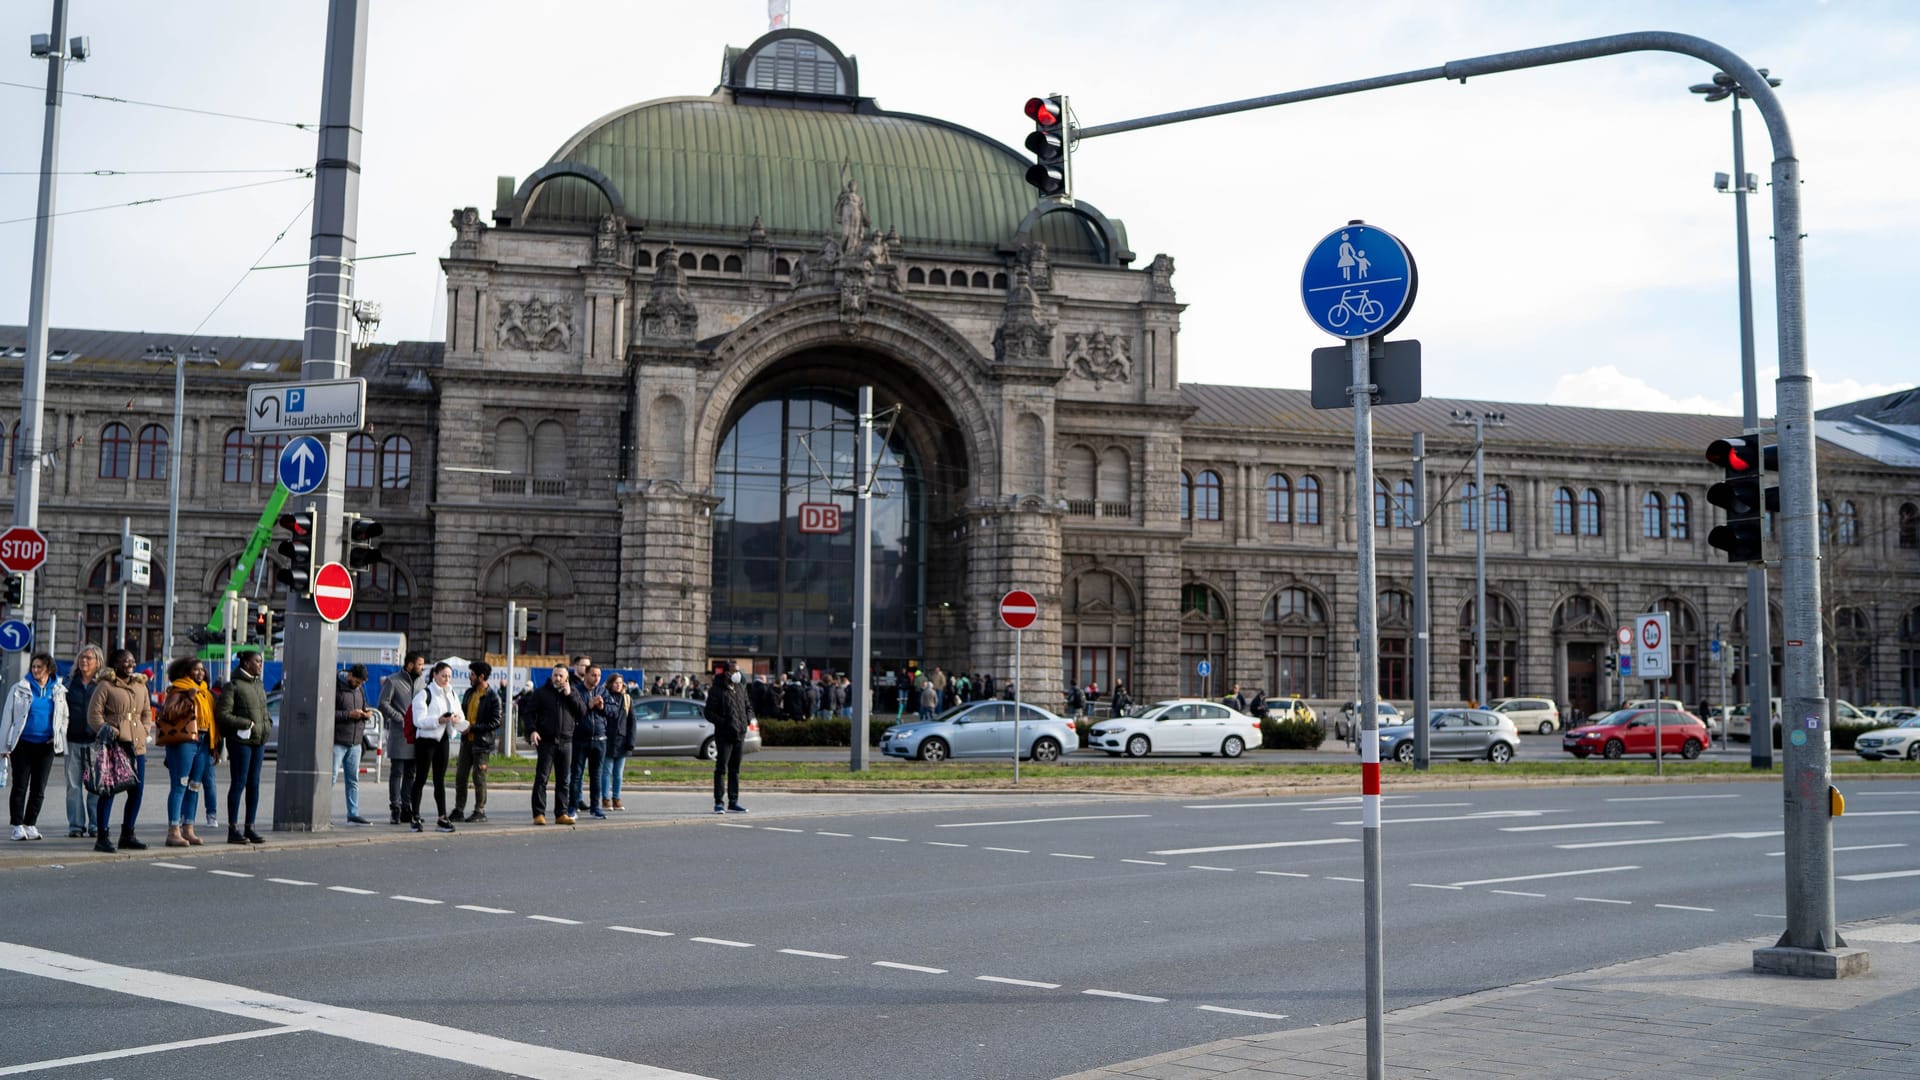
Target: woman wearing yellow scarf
(184, 715)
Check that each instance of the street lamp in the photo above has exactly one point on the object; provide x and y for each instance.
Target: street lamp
(168, 354)
(1479, 422)
(1759, 647)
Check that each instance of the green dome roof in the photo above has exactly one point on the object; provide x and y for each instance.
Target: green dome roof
(693, 168)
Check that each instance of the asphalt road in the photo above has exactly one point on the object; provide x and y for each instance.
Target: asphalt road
(986, 938)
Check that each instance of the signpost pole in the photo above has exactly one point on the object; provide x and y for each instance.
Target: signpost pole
(1421, 642)
(512, 632)
(1017, 635)
(860, 685)
(1365, 614)
(126, 544)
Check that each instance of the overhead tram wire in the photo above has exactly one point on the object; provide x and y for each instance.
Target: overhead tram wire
(159, 172)
(305, 174)
(295, 124)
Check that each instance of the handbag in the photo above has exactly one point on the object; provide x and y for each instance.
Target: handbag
(110, 769)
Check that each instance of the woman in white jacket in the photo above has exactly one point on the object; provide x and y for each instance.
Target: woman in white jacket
(436, 711)
(33, 728)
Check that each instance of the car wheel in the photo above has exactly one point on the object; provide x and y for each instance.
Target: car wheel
(1403, 753)
(1690, 749)
(708, 751)
(1046, 751)
(1499, 753)
(1546, 727)
(933, 750)
(1615, 750)
(1913, 751)
(1233, 747)
(1138, 746)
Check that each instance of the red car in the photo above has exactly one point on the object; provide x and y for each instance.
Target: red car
(1630, 731)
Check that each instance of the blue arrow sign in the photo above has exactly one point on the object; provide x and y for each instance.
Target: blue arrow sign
(16, 636)
(1203, 669)
(1359, 281)
(303, 464)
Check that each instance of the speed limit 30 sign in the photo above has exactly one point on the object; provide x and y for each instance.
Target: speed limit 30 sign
(1650, 646)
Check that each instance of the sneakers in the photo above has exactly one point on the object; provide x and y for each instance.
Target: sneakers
(719, 808)
(564, 819)
(736, 808)
(444, 826)
(354, 819)
(539, 819)
(477, 817)
(75, 833)
(457, 815)
(19, 832)
(599, 813)
(416, 825)
(34, 833)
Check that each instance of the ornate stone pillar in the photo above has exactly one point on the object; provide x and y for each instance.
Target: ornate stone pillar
(1016, 546)
(667, 544)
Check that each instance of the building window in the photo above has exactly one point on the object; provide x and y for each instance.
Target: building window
(1653, 515)
(1295, 626)
(1679, 517)
(152, 462)
(383, 600)
(1186, 496)
(1590, 507)
(1563, 512)
(1395, 611)
(1826, 521)
(1470, 507)
(1082, 464)
(1852, 655)
(1909, 518)
(396, 463)
(236, 458)
(1382, 500)
(362, 455)
(1206, 496)
(1503, 650)
(13, 465)
(1279, 498)
(1849, 524)
(1306, 501)
(270, 448)
(116, 452)
(146, 610)
(538, 584)
(1203, 636)
(1392, 506)
(1910, 658)
(1097, 632)
(1499, 509)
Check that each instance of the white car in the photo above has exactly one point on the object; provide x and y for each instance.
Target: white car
(1738, 726)
(1530, 714)
(1887, 743)
(1182, 726)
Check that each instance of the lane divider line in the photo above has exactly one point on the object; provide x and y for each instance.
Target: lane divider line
(557, 920)
(289, 881)
(1241, 1012)
(228, 873)
(350, 889)
(1543, 877)
(1355, 880)
(1682, 907)
(942, 843)
(137, 1051)
(1452, 888)
(1067, 855)
(1143, 862)
(910, 967)
(414, 899)
(1601, 900)
(732, 825)
(775, 828)
(1282, 873)
(891, 839)
(1126, 997)
(814, 955)
(173, 866)
(1515, 892)
(1222, 869)
(484, 910)
(1017, 982)
(642, 930)
(1008, 850)
(823, 832)
(723, 941)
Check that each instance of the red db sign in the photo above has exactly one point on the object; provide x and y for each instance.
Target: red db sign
(820, 518)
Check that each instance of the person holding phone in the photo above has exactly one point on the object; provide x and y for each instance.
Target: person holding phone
(436, 712)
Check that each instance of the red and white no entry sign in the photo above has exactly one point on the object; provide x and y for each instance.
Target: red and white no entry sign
(333, 592)
(1018, 609)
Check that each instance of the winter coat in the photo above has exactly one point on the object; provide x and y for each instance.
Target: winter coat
(244, 708)
(13, 717)
(174, 732)
(728, 711)
(486, 722)
(396, 696)
(553, 714)
(78, 696)
(122, 706)
(348, 700)
(613, 715)
(431, 704)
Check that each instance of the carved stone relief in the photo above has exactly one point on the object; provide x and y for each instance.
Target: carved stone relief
(1100, 357)
(669, 313)
(535, 325)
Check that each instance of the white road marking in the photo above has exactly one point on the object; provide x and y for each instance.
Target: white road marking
(1601, 900)
(1764, 915)
(910, 967)
(943, 843)
(1009, 850)
(1126, 997)
(557, 920)
(351, 889)
(1853, 847)
(1257, 847)
(1417, 885)
(1222, 869)
(775, 828)
(1881, 876)
(723, 941)
(823, 832)
(1143, 862)
(173, 866)
(1281, 873)
(288, 881)
(1668, 798)
(228, 873)
(1396, 806)
(890, 839)
(1542, 877)
(639, 930)
(1511, 892)
(1241, 1012)
(1884, 813)
(1682, 907)
(1357, 881)
(1868, 794)
(1668, 840)
(414, 899)
(1484, 815)
(1038, 820)
(732, 825)
(1577, 825)
(136, 1051)
(1017, 982)
(356, 1025)
(485, 910)
(815, 955)
(1067, 855)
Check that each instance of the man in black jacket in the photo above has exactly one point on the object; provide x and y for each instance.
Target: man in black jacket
(482, 709)
(553, 710)
(729, 713)
(350, 715)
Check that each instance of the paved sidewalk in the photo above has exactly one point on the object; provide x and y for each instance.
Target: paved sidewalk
(1691, 1015)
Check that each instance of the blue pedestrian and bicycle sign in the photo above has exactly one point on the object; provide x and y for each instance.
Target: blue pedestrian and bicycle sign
(303, 464)
(1359, 282)
(16, 636)
(1203, 669)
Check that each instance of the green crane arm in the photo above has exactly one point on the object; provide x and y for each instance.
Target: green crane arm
(257, 543)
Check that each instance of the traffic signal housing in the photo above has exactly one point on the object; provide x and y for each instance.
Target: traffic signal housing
(1743, 495)
(1052, 171)
(363, 542)
(16, 594)
(299, 551)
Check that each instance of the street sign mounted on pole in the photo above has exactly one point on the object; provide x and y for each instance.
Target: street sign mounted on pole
(333, 592)
(1392, 366)
(323, 405)
(1359, 282)
(16, 636)
(1650, 646)
(22, 549)
(303, 465)
(1018, 609)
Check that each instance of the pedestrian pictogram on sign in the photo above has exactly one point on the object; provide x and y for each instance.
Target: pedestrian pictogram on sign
(22, 549)
(1018, 609)
(333, 592)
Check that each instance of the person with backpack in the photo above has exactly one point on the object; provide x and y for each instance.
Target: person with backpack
(396, 699)
(436, 714)
(185, 712)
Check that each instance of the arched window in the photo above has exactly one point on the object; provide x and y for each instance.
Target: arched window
(1563, 511)
(1849, 524)
(236, 458)
(1590, 512)
(1206, 496)
(383, 599)
(1909, 518)
(1500, 509)
(1403, 508)
(1826, 520)
(980, 279)
(1114, 482)
(146, 610)
(1679, 517)
(362, 456)
(511, 446)
(710, 263)
(270, 447)
(1082, 464)
(1503, 650)
(1203, 636)
(1279, 499)
(116, 451)
(151, 464)
(1186, 496)
(396, 463)
(549, 449)
(732, 265)
(688, 262)
(1098, 629)
(1395, 610)
(1306, 501)
(541, 587)
(1852, 654)
(916, 276)
(1382, 503)
(1653, 515)
(938, 277)
(1295, 626)
(1469, 507)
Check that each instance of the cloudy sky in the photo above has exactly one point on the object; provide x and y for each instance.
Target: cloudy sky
(1571, 245)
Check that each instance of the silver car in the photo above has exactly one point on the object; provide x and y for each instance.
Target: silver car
(676, 726)
(982, 729)
(1467, 734)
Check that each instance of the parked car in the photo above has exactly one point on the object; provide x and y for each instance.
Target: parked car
(1181, 726)
(1739, 720)
(1290, 709)
(982, 729)
(673, 726)
(1466, 734)
(1739, 727)
(1884, 744)
(1712, 723)
(1530, 713)
(1631, 731)
(1389, 716)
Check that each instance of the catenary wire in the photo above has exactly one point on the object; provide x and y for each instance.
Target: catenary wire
(299, 125)
(306, 174)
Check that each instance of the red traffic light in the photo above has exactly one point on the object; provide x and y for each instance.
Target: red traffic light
(297, 524)
(1040, 111)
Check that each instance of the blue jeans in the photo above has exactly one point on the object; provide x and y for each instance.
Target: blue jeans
(80, 805)
(588, 756)
(348, 758)
(243, 774)
(209, 789)
(183, 764)
(105, 809)
(610, 773)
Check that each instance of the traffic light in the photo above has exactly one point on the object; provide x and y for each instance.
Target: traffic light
(16, 590)
(1610, 664)
(520, 624)
(262, 631)
(1052, 172)
(1741, 495)
(363, 539)
(299, 551)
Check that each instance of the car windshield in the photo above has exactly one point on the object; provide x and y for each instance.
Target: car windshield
(1600, 718)
(951, 714)
(1154, 712)
(1911, 721)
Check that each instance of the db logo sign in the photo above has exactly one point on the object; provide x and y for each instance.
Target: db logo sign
(820, 518)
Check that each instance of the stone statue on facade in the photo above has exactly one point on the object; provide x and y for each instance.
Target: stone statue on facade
(535, 325)
(850, 212)
(669, 313)
(1023, 339)
(1100, 357)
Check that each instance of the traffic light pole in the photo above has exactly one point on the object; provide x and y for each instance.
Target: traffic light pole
(861, 668)
(1367, 631)
(1759, 643)
(303, 796)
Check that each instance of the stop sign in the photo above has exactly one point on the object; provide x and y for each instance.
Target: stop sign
(333, 592)
(1018, 609)
(22, 549)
